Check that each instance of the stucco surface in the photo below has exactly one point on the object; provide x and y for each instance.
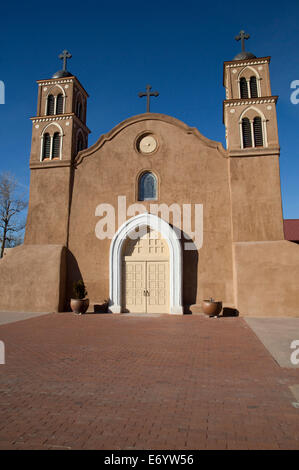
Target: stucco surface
(267, 276)
(256, 198)
(47, 220)
(33, 279)
(190, 170)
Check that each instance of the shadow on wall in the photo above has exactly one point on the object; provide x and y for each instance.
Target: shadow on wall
(190, 262)
(73, 274)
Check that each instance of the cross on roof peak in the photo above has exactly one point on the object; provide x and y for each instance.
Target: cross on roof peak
(64, 56)
(242, 36)
(148, 94)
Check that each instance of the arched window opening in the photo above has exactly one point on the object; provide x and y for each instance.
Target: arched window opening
(59, 104)
(246, 131)
(258, 132)
(56, 145)
(147, 188)
(243, 88)
(79, 109)
(253, 87)
(50, 105)
(46, 146)
(80, 143)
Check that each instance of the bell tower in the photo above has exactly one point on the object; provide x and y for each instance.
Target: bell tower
(59, 132)
(249, 115)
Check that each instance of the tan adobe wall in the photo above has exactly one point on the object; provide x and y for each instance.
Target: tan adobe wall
(189, 168)
(47, 220)
(256, 198)
(33, 279)
(267, 276)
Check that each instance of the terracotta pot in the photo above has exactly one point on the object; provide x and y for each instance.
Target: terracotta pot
(79, 305)
(211, 308)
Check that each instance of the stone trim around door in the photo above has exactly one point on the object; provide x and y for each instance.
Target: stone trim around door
(175, 260)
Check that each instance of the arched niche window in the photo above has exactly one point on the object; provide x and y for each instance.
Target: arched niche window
(46, 146)
(249, 87)
(258, 132)
(246, 131)
(51, 145)
(59, 104)
(50, 105)
(80, 142)
(56, 145)
(253, 132)
(253, 87)
(243, 88)
(147, 187)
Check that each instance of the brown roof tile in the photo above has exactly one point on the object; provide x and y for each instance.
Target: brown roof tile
(291, 229)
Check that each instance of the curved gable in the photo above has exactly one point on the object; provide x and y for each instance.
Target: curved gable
(149, 117)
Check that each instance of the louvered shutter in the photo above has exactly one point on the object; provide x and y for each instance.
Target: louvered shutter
(59, 104)
(246, 130)
(253, 87)
(56, 145)
(258, 132)
(46, 146)
(243, 88)
(50, 105)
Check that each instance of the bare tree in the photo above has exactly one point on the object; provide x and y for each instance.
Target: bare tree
(11, 205)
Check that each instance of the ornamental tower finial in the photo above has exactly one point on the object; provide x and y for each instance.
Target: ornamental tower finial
(242, 36)
(63, 73)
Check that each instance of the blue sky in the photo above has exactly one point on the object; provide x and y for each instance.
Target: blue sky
(118, 47)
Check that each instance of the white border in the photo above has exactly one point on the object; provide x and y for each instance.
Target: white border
(175, 258)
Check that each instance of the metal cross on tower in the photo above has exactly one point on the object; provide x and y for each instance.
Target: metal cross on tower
(64, 56)
(148, 94)
(242, 36)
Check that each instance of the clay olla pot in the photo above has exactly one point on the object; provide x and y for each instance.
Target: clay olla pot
(211, 308)
(79, 305)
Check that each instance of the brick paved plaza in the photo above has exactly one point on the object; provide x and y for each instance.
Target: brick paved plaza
(129, 382)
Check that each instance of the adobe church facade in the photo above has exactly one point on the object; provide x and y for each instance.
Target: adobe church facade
(156, 161)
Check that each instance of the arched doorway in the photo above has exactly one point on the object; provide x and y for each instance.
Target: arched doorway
(145, 273)
(145, 225)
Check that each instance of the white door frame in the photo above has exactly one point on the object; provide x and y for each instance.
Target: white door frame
(175, 260)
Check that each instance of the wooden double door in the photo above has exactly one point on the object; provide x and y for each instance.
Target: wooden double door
(145, 275)
(146, 286)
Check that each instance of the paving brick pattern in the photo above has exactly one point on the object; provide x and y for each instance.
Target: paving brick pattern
(123, 382)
